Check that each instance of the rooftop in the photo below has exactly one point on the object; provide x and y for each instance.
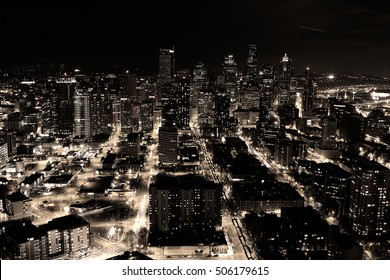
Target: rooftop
(18, 196)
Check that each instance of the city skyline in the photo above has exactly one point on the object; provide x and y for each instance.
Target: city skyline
(329, 36)
(202, 130)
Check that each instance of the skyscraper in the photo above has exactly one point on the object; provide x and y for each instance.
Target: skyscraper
(82, 115)
(230, 73)
(168, 144)
(166, 70)
(251, 63)
(329, 129)
(200, 74)
(128, 85)
(183, 104)
(285, 74)
(101, 111)
(147, 116)
(222, 105)
(268, 79)
(65, 88)
(308, 92)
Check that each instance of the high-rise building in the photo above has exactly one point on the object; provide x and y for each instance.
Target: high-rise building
(147, 116)
(200, 76)
(376, 123)
(3, 153)
(168, 104)
(283, 153)
(268, 130)
(309, 91)
(134, 145)
(285, 74)
(125, 115)
(251, 63)
(82, 115)
(64, 105)
(230, 76)
(166, 72)
(9, 137)
(206, 107)
(331, 188)
(369, 210)
(222, 105)
(183, 104)
(128, 85)
(49, 111)
(329, 129)
(250, 97)
(185, 204)
(268, 80)
(101, 111)
(168, 145)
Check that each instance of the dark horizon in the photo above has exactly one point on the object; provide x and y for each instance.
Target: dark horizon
(328, 36)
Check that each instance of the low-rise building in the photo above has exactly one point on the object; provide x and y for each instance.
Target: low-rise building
(18, 206)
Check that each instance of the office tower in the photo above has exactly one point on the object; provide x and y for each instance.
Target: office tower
(250, 97)
(14, 122)
(134, 145)
(82, 115)
(339, 109)
(168, 104)
(342, 246)
(49, 112)
(168, 144)
(251, 64)
(268, 80)
(376, 123)
(183, 104)
(183, 74)
(369, 210)
(222, 105)
(309, 91)
(285, 74)
(126, 115)
(329, 129)
(157, 117)
(331, 188)
(230, 73)
(128, 85)
(283, 152)
(200, 76)
(147, 116)
(27, 97)
(185, 204)
(166, 72)
(101, 111)
(147, 89)
(351, 128)
(65, 88)
(268, 131)
(206, 107)
(136, 117)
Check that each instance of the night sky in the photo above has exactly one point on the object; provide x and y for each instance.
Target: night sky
(327, 35)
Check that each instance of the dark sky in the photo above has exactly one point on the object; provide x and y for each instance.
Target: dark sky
(327, 35)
